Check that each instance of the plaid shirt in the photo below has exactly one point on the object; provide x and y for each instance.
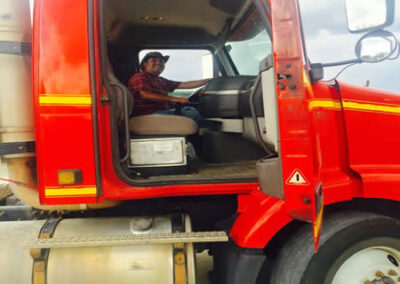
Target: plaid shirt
(144, 81)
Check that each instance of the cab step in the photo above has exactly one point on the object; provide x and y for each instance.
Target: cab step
(129, 240)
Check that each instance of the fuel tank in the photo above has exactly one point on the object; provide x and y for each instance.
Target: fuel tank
(147, 263)
(16, 110)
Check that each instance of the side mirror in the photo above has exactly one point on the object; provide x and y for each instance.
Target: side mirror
(376, 46)
(369, 15)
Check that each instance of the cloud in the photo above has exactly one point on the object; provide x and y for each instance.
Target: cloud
(328, 40)
(323, 15)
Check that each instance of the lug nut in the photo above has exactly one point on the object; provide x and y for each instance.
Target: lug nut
(379, 274)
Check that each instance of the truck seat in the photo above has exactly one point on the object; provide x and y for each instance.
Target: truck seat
(161, 124)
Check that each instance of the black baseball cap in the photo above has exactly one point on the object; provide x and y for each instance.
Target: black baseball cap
(154, 54)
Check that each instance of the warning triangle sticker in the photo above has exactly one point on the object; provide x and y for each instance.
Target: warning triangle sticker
(297, 178)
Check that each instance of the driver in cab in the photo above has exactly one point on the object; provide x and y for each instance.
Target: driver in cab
(150, 91)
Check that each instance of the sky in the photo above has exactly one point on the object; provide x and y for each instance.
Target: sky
(328, 40)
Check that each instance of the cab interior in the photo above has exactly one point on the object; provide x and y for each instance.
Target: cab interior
(171, 148)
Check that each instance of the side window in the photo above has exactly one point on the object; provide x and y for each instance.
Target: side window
(185, 65)
(249, 44)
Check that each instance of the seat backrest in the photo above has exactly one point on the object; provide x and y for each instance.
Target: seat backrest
(118, 93)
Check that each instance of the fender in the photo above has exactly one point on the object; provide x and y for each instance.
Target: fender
(260, 218)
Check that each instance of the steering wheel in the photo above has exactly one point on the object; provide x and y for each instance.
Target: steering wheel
(195, 96)
(193, 99)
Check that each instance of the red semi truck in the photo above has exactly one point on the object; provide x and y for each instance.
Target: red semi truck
(107, 196)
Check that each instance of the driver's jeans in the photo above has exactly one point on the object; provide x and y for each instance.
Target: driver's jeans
(189, 112)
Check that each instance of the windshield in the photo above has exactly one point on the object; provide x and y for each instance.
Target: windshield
(185, 65)
(328, 40)
(178, 68)
(249, 44)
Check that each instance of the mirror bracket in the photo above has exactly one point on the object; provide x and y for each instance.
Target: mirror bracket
(316, 72)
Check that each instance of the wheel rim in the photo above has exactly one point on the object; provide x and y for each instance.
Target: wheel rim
(374, 265)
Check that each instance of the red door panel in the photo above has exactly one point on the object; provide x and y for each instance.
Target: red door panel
(62, 100)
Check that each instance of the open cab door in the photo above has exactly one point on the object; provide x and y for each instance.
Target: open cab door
(64, 103)
(294, 175)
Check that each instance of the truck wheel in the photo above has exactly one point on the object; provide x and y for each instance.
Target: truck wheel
(355, 248)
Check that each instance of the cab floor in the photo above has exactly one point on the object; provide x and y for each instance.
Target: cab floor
(201, 170)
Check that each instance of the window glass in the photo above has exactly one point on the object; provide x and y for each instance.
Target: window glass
(249, 44)
(185, 65)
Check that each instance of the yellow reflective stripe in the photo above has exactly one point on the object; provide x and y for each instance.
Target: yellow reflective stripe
(371, 107)
(318, 222)
(324, 104)
(353, 105)
(70, 191)
(65, 99)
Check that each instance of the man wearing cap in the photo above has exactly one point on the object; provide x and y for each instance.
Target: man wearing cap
(150, 91)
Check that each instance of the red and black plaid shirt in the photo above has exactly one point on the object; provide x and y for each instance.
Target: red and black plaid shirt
(144, 81)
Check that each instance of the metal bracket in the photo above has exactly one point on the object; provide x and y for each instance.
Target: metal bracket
(179, 252)
(316, 72)
(40, 256)
(15, 48)
(11, 148)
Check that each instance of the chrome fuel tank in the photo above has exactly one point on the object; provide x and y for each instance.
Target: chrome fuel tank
(100, 264)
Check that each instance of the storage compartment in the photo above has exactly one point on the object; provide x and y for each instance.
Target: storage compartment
(222, 147)
(157, 156)
(220, 98)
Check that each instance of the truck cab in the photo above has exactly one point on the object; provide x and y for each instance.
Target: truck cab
(280, 145)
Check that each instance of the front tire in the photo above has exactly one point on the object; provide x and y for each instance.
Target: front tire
(355, 248)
